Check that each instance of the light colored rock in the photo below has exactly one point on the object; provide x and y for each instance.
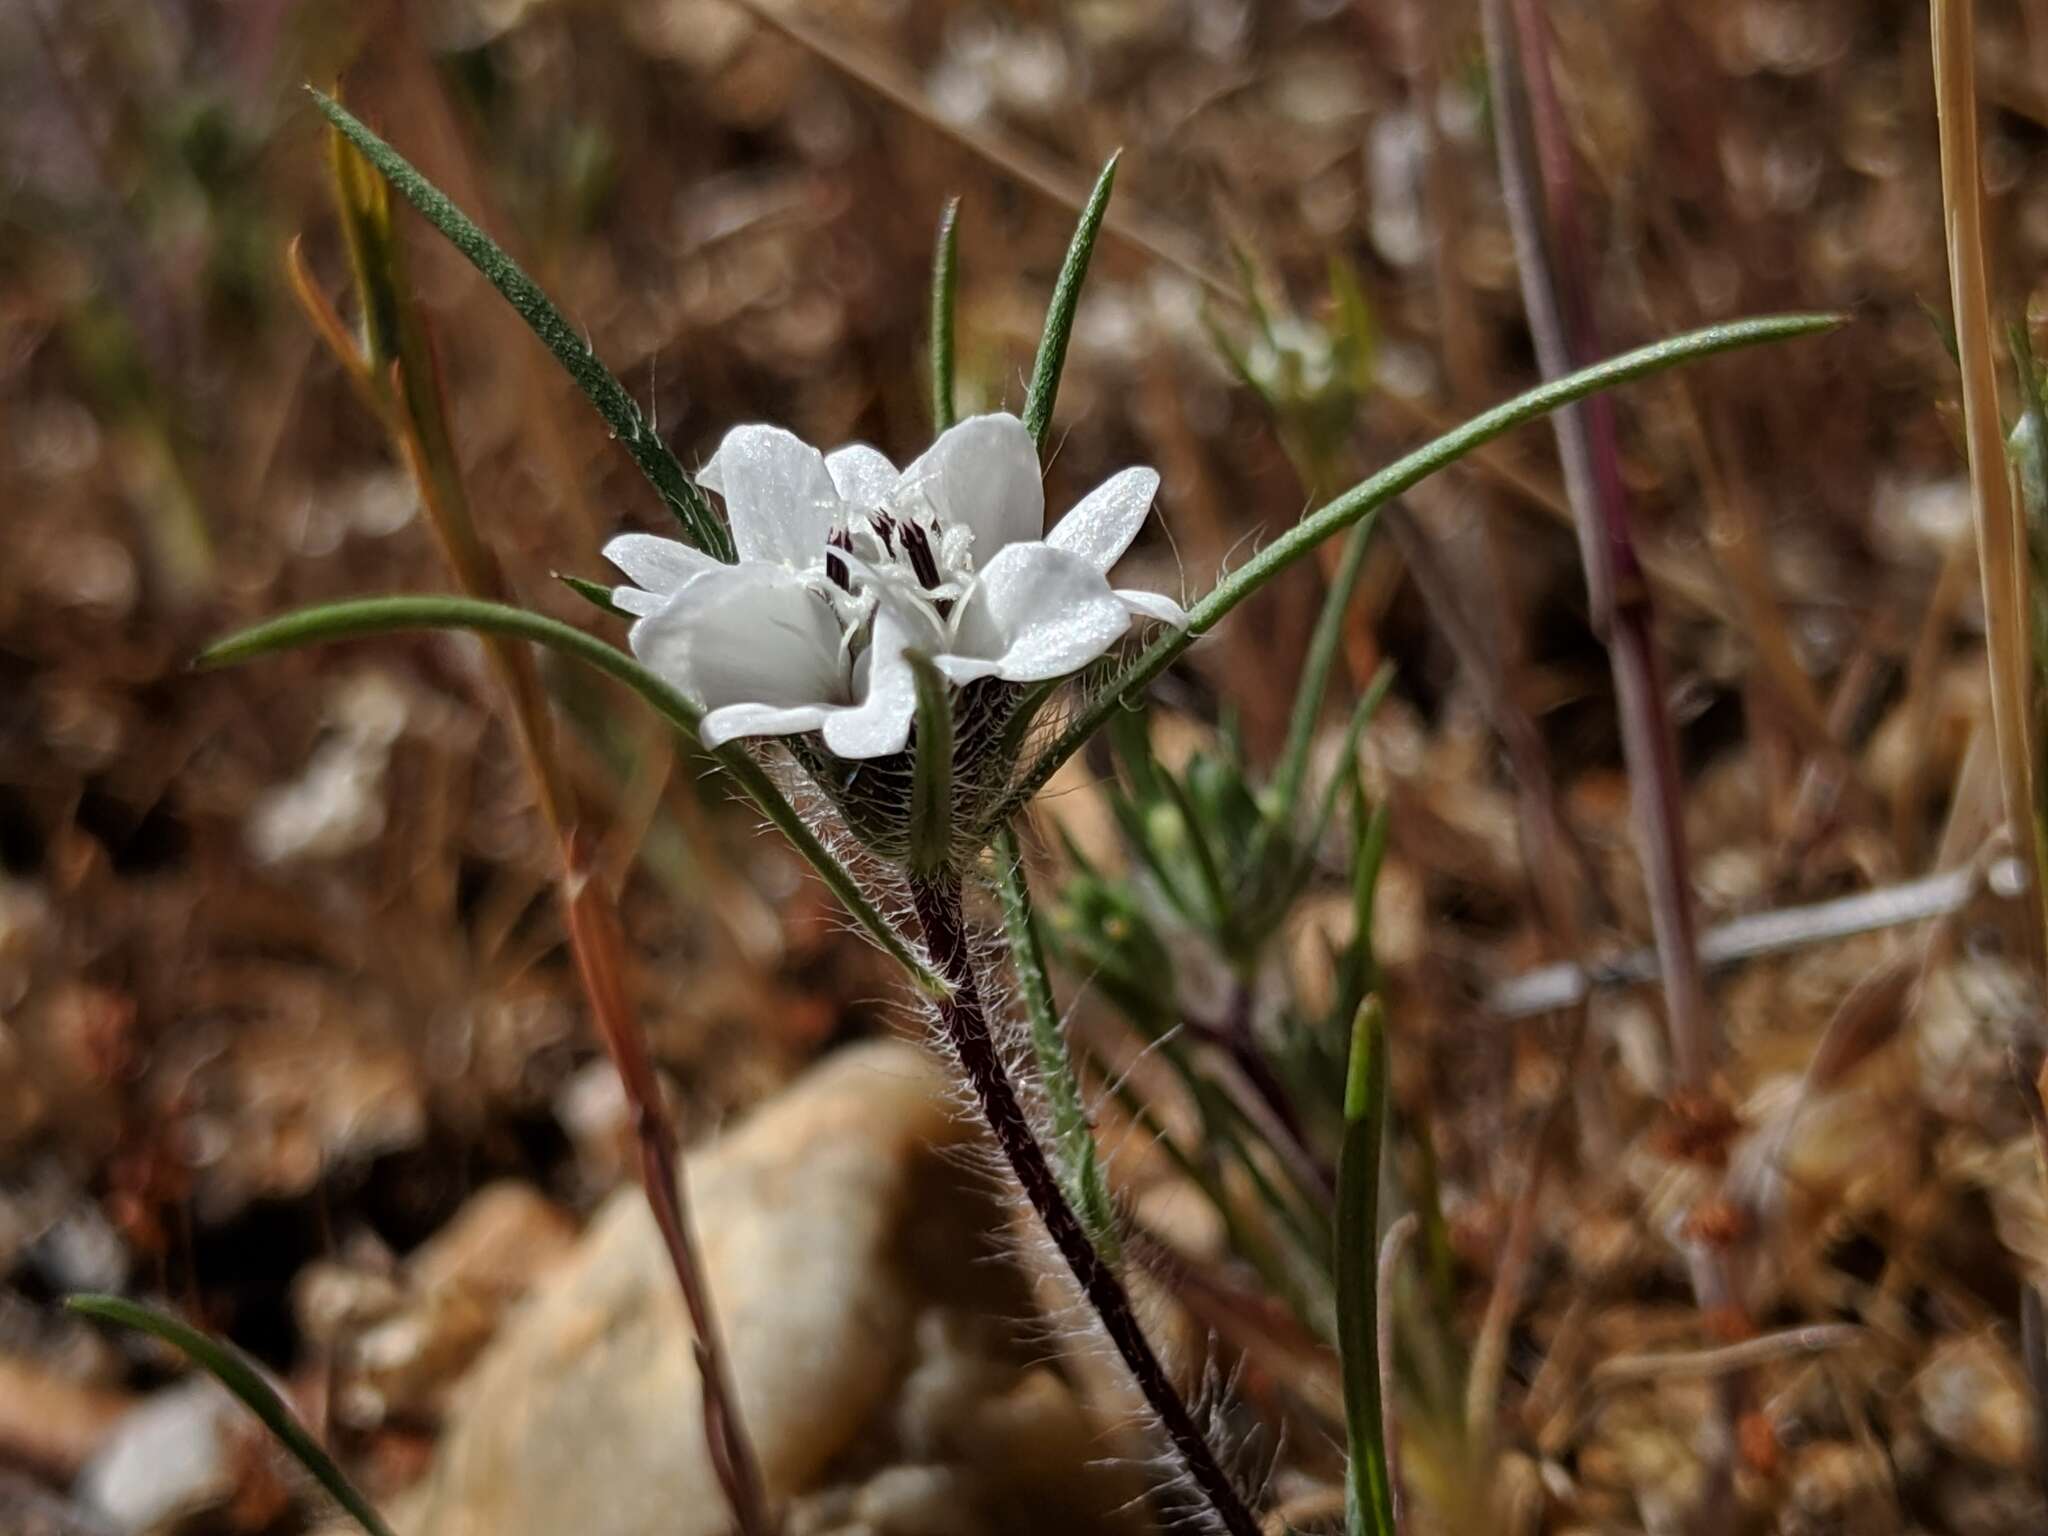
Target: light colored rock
(27, 1508)
(917, 1501)
(504, 1236)
(169, 1458)
(52, 1421)
(399, 1348)
(829, 1222)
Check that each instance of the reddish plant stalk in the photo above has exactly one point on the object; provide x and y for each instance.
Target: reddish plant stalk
(965, 1021)
(399, 377)
(1539, 185)
(1543, 212)
(599, 947)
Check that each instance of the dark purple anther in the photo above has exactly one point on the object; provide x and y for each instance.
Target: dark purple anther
(917, 544)
(836, 569)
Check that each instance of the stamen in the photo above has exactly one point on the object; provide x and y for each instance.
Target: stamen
(917, 545)
(836, 569)
(885, 530)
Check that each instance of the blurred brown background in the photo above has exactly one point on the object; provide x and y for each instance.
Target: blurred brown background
(280, 977)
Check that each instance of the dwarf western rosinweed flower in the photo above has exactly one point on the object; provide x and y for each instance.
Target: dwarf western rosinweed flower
(848, 566)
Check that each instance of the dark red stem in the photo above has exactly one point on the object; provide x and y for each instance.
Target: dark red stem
(965, 1021)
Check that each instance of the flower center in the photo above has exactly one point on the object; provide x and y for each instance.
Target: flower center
(913, 555)
(914, 541)
(836, 569)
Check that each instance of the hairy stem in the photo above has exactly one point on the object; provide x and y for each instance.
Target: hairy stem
(965, 1021)
(1073, 1137)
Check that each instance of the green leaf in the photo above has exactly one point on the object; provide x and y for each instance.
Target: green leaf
(1354, 324)
(1072, 1137)
(1365, 498)
(1059, 315)
(1358, 972)
(931, 791)
(233, 1370)
(1276, 890)
(595, 593)
(1216, 902)
(396, 615)
(945, 280)
(1324, 645)
(1130, 738)
(364, 203)
(1240, 362)
(1369, 1501)
(1158, 843)
(1361, 717)
(597, 382)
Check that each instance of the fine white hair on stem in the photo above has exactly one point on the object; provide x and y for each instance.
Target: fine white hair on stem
(982, 1030)
(1156, 1045)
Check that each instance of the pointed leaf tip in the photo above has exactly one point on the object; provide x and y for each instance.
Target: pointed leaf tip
(1066, 299)
(228, 1366)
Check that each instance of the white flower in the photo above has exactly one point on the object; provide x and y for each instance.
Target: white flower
(845, 565)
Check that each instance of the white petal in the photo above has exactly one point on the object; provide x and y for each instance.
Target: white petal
(778, 495)
(1153, 605)
(736, 720)
(746, 634)
(1102, 524)
(1035, 613)
(982, 475)
(864, 476)
(880, 723)
(658, 565)
(640, 604)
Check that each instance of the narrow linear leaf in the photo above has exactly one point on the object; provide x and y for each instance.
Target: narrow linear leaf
(597, 382)
(595, 593)
(1311, 837)
(1359, 972)
(1130, 738)
(1073, 1139)
(1369, 1500)
(945, 281)
(1147, 849)
(1323, 647)
(931, 788)
(1248, 1241)
(1239, 361)
(1059, 315)
(1361, 717)
(1207, 870)
(1365, 498)
(334, 334)
(1354, 322)
(233, 1370)
(397, 615)
(363, 200)
(1365, 874)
